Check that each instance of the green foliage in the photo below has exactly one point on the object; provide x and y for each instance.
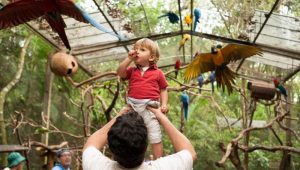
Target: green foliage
(258, 160)
(141, 24)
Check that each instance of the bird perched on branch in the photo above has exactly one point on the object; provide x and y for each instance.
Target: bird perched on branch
(184, 39)
(20, 11)
(188, 19)
(41, 130)
(217, 61)
(280, 87)
(173, 18)
(197, 16)
(212, 78)
(185, 104)
(177, 67)
(200, 82)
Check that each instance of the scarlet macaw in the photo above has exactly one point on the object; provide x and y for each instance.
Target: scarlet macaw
(177, 67)
(21, 11)
(280, 87)
(218, 61)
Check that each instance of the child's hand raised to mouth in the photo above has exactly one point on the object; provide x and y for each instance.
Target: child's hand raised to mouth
(132, 54)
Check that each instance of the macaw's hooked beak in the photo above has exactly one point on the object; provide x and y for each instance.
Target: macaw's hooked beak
(213, 50)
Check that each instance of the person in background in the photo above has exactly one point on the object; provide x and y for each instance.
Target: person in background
(64, 158)
(15, 161)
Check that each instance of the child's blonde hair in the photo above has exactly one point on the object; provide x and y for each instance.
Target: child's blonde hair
(150, 45)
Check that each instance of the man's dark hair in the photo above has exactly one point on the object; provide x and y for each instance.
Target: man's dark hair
(127, 140)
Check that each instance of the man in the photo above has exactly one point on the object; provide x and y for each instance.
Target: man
(64, 160)
(15, 160)
(126, 135)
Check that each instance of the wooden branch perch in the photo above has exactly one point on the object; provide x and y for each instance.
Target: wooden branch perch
(90, 79)
(50, 148)
(234, 142)
(270, 149)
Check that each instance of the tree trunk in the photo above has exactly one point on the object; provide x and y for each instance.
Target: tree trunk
(7, 88)
(285, 163)
(88, 102)
(245, 123)
(47, 104)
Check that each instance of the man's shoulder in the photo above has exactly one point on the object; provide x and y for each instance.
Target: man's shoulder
(92, 158)
(181, 160)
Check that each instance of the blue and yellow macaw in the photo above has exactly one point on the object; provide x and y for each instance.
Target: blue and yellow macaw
(188, 19)
(185, 104)
(212, 79)
(184, 39)
(200, 82)
(217, 61)
(197, 16)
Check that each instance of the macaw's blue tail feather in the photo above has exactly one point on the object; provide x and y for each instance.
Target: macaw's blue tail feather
(165, 15)
(95, 23)
(186, 110)
(173, 18)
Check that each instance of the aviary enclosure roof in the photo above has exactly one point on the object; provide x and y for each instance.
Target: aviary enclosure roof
(273, 27)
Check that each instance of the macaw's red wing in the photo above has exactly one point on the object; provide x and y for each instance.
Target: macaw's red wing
(234, 52)
(201, 64)
(58, 25)
(68, 7)
(19, 12)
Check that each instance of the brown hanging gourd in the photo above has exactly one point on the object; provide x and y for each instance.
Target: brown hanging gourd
(63, 64)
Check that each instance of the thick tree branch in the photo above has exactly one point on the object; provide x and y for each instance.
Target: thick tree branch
(234, 142)
(270, 149)
(7, 88)
(90, 79)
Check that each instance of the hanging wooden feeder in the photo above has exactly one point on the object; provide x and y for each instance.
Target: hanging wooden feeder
(63, 64)
(261, 90)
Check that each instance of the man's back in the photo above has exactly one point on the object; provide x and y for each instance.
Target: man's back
(93, 159)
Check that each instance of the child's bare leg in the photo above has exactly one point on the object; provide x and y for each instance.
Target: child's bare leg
(157, 150)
